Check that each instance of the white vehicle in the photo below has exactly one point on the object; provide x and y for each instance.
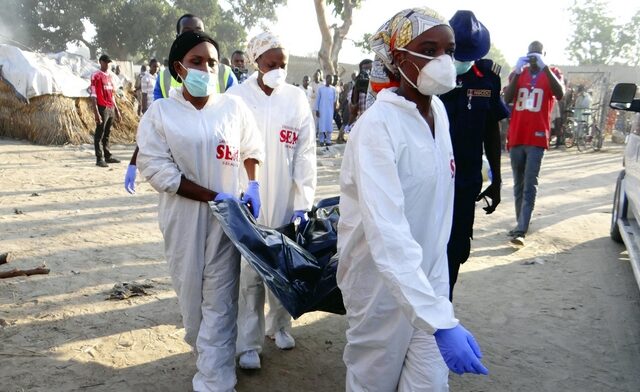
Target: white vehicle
(625, 215)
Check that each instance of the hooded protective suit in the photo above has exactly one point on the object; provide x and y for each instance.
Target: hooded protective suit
(396, 203)
(208, 147)
(287, 184)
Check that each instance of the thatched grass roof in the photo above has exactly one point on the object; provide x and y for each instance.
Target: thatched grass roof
(56, 119)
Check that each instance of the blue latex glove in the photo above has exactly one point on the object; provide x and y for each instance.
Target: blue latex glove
(251, 198)
(223, 196)
(522, 61)
(304, 219)
(539, 60)
(460, 350)
(130, 179)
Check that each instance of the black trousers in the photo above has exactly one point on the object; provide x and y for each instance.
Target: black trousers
(337, 118)
(101, 135)
(459, 246)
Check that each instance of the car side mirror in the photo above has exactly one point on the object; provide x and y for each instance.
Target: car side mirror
(622, 97)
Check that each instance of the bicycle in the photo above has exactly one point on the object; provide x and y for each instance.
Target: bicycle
(597, 137)
(569, 129)
(583, 133)
(594, 135)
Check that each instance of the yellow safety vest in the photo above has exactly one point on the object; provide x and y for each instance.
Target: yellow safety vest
(224, 72)
(167, 81)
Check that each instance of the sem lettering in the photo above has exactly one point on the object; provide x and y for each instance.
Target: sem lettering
(289, 137)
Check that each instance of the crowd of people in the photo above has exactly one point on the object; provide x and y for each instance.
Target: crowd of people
(420, 116)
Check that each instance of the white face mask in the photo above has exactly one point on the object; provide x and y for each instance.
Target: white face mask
(437, 77)
(274, 78)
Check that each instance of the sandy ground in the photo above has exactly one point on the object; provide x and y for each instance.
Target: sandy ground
(562, 313)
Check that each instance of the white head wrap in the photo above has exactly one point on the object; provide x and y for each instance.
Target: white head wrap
(261, 43)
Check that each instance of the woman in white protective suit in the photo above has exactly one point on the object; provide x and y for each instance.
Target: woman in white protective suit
(193, 147)
(396, 205)
(288, 184)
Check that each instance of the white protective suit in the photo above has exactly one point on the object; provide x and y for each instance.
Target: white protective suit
(209, 147)
(287, 184)
(396, 207)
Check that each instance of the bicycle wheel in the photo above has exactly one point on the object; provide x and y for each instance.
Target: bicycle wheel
(568, 134)
(598, 138)
(580, 141)
(581, 137)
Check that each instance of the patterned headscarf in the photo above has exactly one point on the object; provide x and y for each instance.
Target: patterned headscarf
(261, 43)
(396, 33)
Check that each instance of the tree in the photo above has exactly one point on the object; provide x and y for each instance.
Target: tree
(152, 35)
(333, 35)
(251, 12)
(594, 38)
(126, 29)
(630, 38)
(363, 44)
(41, 25)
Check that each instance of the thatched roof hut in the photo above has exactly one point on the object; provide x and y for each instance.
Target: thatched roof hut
(54, 118)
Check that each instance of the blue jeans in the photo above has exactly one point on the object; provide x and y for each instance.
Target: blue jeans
(525, 165)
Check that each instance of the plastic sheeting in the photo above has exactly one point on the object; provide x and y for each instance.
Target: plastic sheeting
(33, 74)
(304, 280)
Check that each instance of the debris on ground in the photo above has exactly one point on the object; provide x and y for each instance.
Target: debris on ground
(536, 261)
(42, 270)
(126, 290)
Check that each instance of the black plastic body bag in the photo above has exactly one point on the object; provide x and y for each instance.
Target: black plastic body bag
(302, 275)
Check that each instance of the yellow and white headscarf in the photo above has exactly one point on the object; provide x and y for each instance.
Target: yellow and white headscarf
(396, 33)
(261, 43)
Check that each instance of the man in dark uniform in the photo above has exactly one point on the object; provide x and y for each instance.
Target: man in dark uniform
(474, 108)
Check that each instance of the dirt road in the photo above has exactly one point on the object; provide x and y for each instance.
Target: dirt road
(562, 313)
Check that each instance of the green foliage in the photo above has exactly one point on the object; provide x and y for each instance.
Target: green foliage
(496, 55)
(338, 5)
(630, 39)
(40, 25)
(250, 12)
(498, 58)
(597, 39)
(126, 29)
(364, 43)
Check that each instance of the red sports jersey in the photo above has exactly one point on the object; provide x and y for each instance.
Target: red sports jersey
(102, 89)
(531, 114)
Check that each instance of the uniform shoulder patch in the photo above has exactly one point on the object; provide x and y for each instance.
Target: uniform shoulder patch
(488, 65)
(496, 68)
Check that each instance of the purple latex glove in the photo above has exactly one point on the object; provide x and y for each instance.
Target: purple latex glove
(251, 198)
(130, 179)
(460, 350)
(223, 196)
(522, 61)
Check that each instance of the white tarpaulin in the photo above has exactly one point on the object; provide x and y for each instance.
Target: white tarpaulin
(33, 74)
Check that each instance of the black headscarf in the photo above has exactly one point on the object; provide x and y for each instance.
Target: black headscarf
(184, 43)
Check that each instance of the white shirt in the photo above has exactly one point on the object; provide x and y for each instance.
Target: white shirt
(288, 176)
(148, 84)
(309, 94)
(207, 146)
(396, 207)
